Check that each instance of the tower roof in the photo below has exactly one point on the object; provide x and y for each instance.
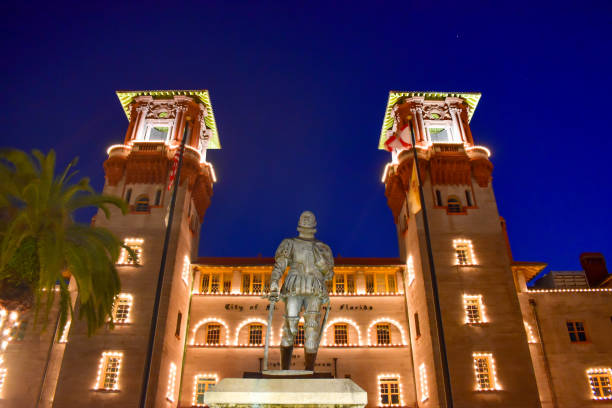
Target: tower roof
(471, 98)
(126, 97)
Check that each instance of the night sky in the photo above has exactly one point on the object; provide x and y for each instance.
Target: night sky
(299, 94)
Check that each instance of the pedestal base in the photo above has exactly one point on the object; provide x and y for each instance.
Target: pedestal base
(275, 392)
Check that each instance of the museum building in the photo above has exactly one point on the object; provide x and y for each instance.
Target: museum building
(412, 333)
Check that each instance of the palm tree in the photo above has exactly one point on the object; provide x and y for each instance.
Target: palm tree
(41, 244)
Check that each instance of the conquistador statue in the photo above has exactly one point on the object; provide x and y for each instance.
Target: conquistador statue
(311, 265)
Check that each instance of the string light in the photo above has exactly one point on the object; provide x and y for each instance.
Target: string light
(117, 146)
(103, 371)
(491, 374)
(530, 336)
(342, 320)
(381, 378)
(486, 150)
(386, 320)
(171, 382)
(469, 300)
(2, 378)
(122, 308)
(410, 269)
(136, 245)
(596, 375)
(608, 290)
(247, 321)
(460, 246)
(207, 320)
(194, 400)
(186, 268)
(424, 385)
(64, 338)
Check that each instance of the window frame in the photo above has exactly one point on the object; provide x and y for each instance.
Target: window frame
(485, 373)
(604, 388)
(474, 300)
(385, 389)
(266, 277)
(224, 277)
(207, 381)
(125, 301)
(300, 335)
(577, 332)
(466, 245)
(380, 328)
(136, 244)
(338, 341)
(347, 276)
(252, 333)
(152, 123)
(104, 375)
(375, 290)
(208, 333)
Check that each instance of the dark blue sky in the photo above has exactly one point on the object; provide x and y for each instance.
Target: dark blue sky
(299, 93)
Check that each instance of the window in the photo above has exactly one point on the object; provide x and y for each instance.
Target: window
(299, 337)
(424, 385)
(186, 270)
(474, 309)
(158, 197)
(440, 134)
(171, 382)
(142, 204)
(213, 333)
(464, 252)
(438, 198)
(600, 380)
(468, 198)
(381, 282)
(157, 132)
(202, 385)
(343, 282)
(108, 371)
(255, 334)
(576, 332)
(454, 205)
(417, 327)
(341, 333)
(383, 333)
(255, 282)
(121, 308)
(410, 269)
(177, 330)
(128, 195)
(215, 282)
(125, 258)
(484, 370)
(389, 391)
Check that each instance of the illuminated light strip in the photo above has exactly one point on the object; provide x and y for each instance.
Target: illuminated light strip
(171, 382)
(530, 336)
(115, 146)
(129, 298)
(251, 320)
(467, 242)
(102, 368)
(245, 345)
(410, 269)
(195, 387)
(2, 379)
(423, 380)
(186, 269)
(386, 320)
(208, 320)
(401, 393)
(481, 309)
(64, 338)
(608, 290)
(258, 295)
(487, 151)
(492, 372)
(599, 371)
(342, 320)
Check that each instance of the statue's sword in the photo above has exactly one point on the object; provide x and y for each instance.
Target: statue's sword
(268, 330)
(328, 306)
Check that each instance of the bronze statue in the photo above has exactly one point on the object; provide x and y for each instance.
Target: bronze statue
(311, 266)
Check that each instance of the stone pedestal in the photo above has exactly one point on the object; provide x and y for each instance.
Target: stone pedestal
(282, 392)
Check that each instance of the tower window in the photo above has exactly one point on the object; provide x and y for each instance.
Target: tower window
(389, 391)
(464, 252)
(454, 205)
(108, 371)
(600, 380)
(256, 334)
(158, 197)
(128, 195)
(576, 331)
(299, 337)
(213, 333)
(438, 198)
(468, 198)
(202, 385)
(343, 282)
(484, 370)
(340, 333)
(142, 204)
(383, 333)
(474, 309)
(417, 327)
(125, 258)
(121, 308)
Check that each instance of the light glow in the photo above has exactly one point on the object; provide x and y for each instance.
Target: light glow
(122, 308)
(530, 336)
(600, 380)
(251, 320)
(194, 400)
(386, 320)
(186, 269)
(171, 382)
(410, 270)
(108, 371)
(207, 320)
(381, 379)
(487, 151)
(343, 320)
(64, 338)
(474, 309)
(464, 252)
(136, 245)
(212, 171)
(424, 385)
(484, 372)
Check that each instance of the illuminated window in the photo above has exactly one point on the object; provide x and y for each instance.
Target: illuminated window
(213, 333)
(108, 371)
(484, 370)
(343, 282)
(454, 205)
(474, 309)
(383, 333)
(255, 282)
(121, 308)
(410, 269)
(424, 385)
(464, 252)
(256, 333)
(125, 258)
(215, 282)
(202, 385)
(381, 282)
(171, 382)
(299, 337)
(576, 332)
(186, 270)
(389, 391)
(142, 204)
(340, 333)
(600, 380)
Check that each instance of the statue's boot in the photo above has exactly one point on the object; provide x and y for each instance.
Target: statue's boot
(286, 353)
(309, 361)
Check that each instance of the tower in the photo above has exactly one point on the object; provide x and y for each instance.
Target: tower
(487, 353)
(107, 369)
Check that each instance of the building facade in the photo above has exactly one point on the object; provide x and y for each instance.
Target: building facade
(411, 332)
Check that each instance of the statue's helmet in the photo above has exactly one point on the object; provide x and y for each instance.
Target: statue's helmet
(307, 220)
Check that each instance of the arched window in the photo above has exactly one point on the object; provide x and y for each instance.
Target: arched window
(158, 197)
(142, 204)
(454, 205)
(128, 195)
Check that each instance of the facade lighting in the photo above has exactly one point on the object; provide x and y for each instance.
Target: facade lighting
(108, 371)
(207, 320)
(387, 379)
(424, 385)
(484, 371)
(386, 320)
(194, 400)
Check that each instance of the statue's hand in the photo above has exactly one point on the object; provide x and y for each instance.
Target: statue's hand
(274, 292)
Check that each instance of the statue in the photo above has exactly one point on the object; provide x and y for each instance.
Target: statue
(311, 266)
